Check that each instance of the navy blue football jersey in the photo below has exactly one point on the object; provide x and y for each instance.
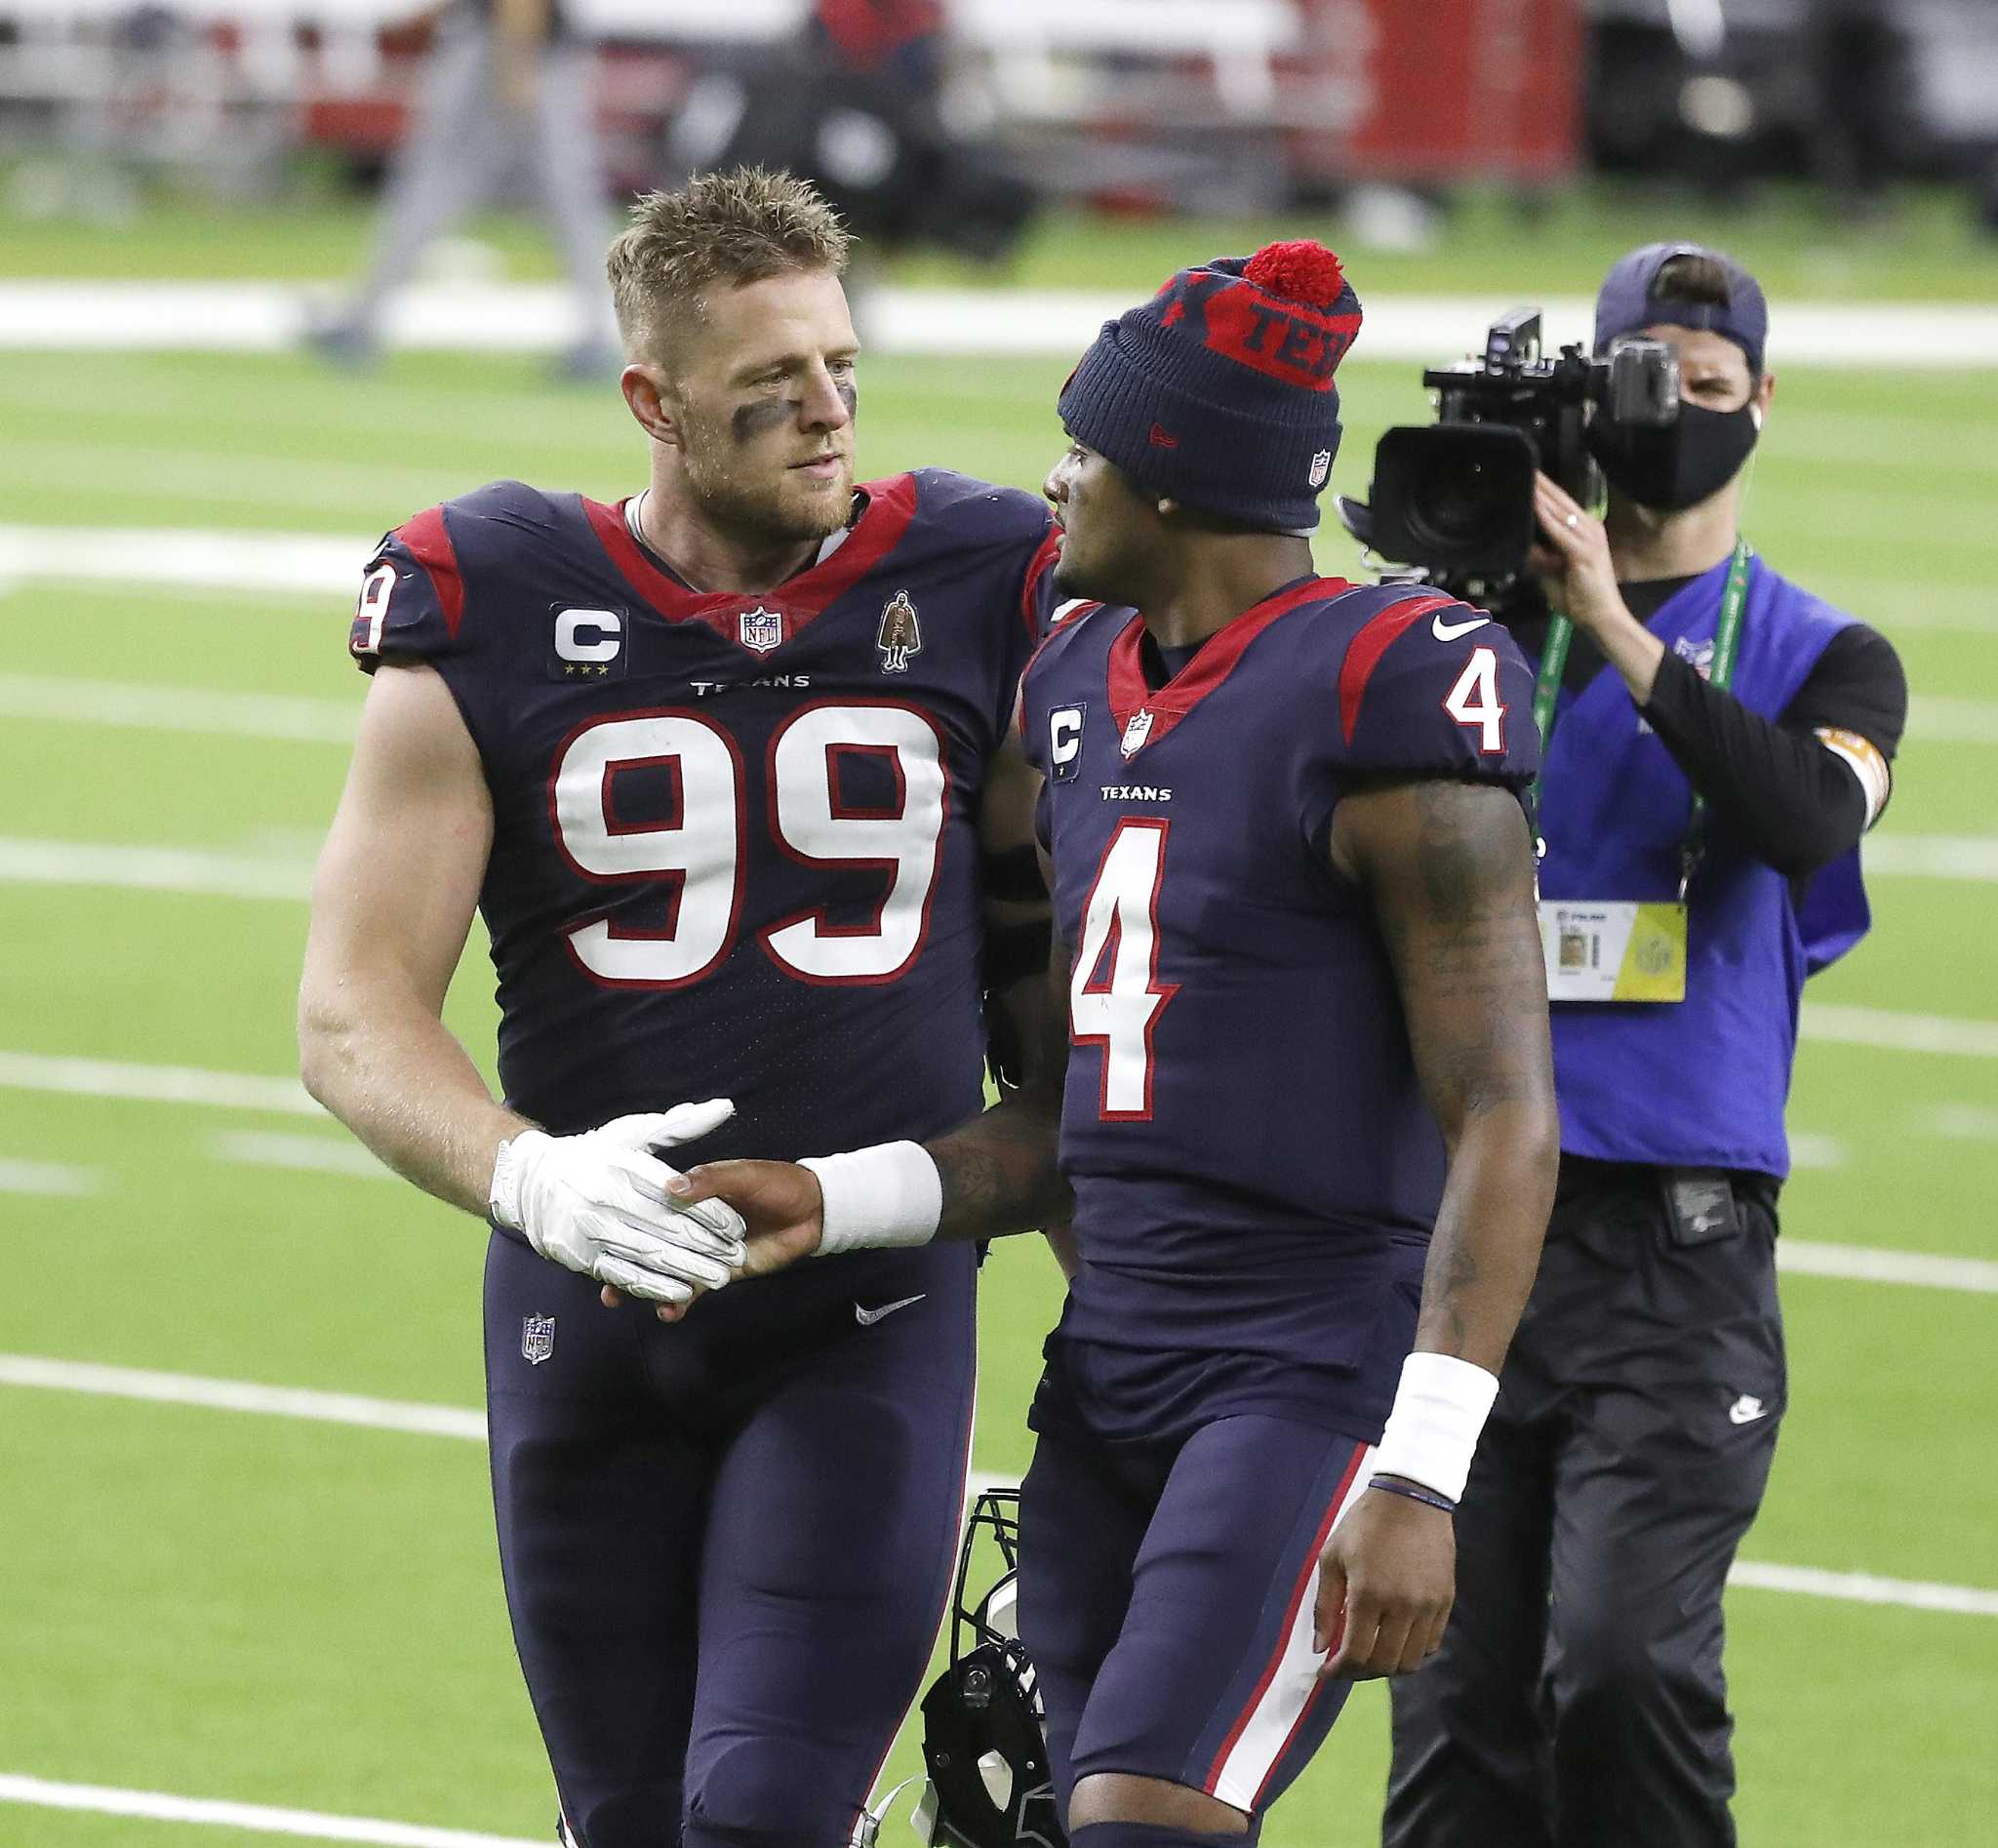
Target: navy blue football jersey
(734, 847)
(1248, 1142)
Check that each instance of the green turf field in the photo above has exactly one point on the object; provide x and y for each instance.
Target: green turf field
(307, 1615)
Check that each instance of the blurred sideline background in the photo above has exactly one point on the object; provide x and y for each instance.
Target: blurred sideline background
(248, 1583)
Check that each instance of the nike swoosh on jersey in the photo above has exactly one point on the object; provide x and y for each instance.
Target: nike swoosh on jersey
(1449, 632)
(867, 1317)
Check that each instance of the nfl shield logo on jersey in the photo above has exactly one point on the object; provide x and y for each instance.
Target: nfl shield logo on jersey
(762, 630)
(537, 1339)
(899, 636)
(1321, 466)
(1136, 731)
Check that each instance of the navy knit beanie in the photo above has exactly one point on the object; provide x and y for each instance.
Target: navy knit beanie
(1217, 393)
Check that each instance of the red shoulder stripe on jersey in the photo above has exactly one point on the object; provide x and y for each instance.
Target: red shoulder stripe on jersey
(1059, 627)
(891, 507)
(1042, 563)
(1363, 653)
(1131, 694)
(427, 540)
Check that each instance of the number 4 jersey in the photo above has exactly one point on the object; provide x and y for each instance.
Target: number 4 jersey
(734, 849)
(1252, 1156)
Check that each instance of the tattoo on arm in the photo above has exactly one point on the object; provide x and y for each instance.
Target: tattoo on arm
(1450, 869)
(999, 1170)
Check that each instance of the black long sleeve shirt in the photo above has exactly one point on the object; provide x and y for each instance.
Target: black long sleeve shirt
(1772, 784)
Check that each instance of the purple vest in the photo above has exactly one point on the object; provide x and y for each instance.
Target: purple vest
(1243, 1125)
(1701, 1082)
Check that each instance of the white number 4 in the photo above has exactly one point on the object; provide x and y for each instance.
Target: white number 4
(1474, 700)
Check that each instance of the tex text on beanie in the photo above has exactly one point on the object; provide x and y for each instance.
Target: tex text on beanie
(1218, 391)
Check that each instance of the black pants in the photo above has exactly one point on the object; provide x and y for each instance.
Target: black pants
(1577, 1701)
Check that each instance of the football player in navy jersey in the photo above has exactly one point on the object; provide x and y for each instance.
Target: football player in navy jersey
(1307, 1120)
(713, 765)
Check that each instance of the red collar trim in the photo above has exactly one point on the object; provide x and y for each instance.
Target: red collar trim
(1130, 695)
(797, 601)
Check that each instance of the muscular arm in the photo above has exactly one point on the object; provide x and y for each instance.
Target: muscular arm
(392, 900)
(1450, 869)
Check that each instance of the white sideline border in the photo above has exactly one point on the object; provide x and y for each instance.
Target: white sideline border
(467, 1424)
(310, 1825)
(263, 317)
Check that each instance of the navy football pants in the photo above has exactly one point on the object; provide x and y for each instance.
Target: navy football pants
(727, 1544)
(1166, 1593)
(1577, 1701)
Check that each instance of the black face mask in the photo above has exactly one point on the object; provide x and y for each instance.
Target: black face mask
(1679, 465)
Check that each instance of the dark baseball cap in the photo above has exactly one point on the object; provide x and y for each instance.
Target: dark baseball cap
(1629, 301)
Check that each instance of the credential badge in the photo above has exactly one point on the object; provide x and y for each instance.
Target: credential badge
(761, 629)
(537, 1339)
(899, 635)
(1321, 466)
(1136, 731)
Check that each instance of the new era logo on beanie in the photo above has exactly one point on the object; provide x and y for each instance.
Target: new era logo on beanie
(1218, 391)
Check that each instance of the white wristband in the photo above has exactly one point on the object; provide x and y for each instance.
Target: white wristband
(1433, 1429)
(890, 1195)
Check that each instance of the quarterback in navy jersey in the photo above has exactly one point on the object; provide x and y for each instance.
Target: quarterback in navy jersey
(1302, 1104)
(711, 763)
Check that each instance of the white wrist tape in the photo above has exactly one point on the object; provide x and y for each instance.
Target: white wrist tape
(1433, 1430)
(890, 1195)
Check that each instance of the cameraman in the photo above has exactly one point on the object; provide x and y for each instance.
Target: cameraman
(1720, 742)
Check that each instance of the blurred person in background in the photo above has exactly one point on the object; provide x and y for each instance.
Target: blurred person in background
(712, 763)
(1719, 740)
(1862, 125)
(509, 85)
(854, 104)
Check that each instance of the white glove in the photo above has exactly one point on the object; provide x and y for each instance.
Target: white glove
(597, 1203)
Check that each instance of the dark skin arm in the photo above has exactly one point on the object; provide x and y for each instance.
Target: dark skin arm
(1449, 868)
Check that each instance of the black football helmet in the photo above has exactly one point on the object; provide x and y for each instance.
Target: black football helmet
(983, 1736)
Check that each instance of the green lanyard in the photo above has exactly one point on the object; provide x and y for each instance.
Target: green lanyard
(1726, 644)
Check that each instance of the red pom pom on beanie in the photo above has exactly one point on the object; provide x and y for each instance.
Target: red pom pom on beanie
(1299, 270)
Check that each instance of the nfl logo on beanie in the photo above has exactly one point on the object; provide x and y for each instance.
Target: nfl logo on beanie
(1218, 391)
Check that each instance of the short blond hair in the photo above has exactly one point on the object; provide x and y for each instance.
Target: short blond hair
(736, 227)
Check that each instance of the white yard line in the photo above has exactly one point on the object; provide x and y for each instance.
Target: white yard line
(49, 1179)
(156, 706)
(153, 869)
(1943, 719)
(1966, 857)
(449, 1421)
(1960, 1122)
(516, 317)
(1862, 1587)
(1891, 1030)
(259, 1818)
(154, 1084)
(304, 1154)
(1864, 1264)
(242, 1395)
(246, 561)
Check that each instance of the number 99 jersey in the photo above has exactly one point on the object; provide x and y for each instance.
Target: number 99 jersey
(735, 848)
(1243, 1124)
